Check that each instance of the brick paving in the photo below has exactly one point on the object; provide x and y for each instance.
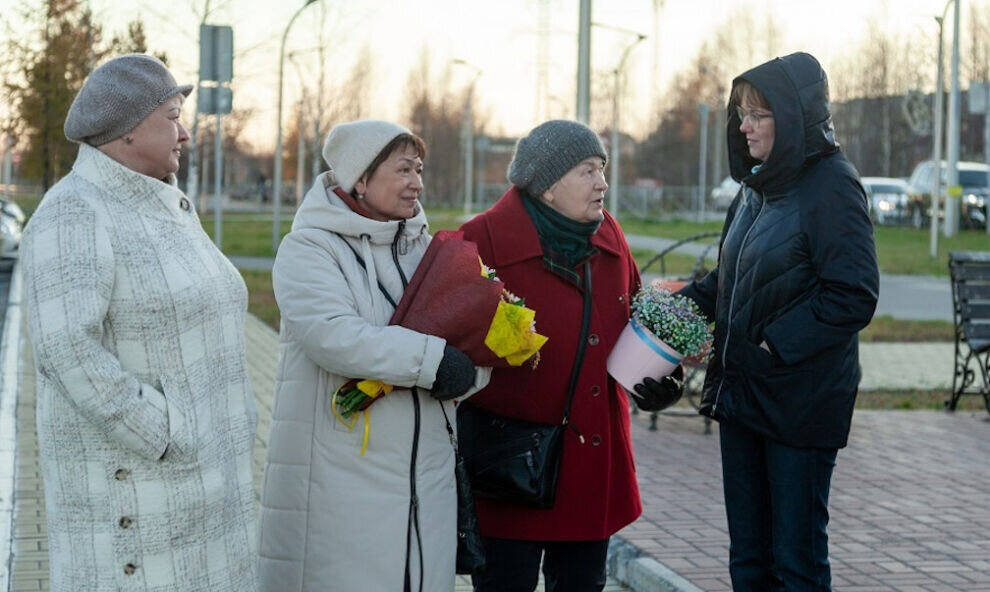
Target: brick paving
(909, 496)
(908, 507)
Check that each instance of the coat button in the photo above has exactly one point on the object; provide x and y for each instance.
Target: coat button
(596, 390)
(125, 522)
(121, 474)
(129, 569)
(622, 298)
(184, 204)
(592, 339)
(596, 440)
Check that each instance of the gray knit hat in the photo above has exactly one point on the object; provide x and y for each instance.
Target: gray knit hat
(351, 147)
(549, 151)
(117, 96)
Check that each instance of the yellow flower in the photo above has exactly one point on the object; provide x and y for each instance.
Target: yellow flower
(373, 388)
(511, 336)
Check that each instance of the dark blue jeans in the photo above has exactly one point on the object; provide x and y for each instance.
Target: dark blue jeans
(776, 500)
(514, 566)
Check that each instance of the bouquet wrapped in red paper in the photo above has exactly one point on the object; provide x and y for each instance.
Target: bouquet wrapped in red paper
(453, 295)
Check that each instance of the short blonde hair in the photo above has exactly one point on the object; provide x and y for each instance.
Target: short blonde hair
(744, 92)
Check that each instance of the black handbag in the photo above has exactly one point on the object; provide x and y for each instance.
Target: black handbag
(513, 460)
(470, 548)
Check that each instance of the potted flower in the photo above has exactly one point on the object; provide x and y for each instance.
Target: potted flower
(664, 329)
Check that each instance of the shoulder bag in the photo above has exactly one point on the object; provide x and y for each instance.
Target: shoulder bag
(513, 460)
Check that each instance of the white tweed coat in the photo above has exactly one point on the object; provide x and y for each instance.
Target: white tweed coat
(146, 419)
(331, 519)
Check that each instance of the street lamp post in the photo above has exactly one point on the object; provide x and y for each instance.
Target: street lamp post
(952, 150)
(702, 158)
(300, 133)
(467, 135)
(719, 125)
(937, 139)
(584, 62)
(277, 181)
(614, 177)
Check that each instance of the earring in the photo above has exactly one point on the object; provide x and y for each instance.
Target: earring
(360, 196)
(128, 140)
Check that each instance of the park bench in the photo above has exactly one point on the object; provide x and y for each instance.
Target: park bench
(694, 370)
(970, 273)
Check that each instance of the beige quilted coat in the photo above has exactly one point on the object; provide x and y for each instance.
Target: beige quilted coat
(146, 420)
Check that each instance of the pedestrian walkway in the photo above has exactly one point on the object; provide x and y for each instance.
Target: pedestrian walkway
(908, 507)
(908, 503)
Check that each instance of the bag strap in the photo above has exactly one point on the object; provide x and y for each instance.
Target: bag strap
(582, 346)
(360, 261)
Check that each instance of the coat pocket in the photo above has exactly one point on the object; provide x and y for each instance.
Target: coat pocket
(182, 445)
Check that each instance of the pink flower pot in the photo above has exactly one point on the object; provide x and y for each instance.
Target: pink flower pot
(639, 353)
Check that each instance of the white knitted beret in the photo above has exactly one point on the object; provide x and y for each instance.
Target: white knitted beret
(117, 96)
(351, 147)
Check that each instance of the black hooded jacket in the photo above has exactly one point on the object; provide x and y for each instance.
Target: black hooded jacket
(797, 269)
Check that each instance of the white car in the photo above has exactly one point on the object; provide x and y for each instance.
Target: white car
(887, 199)
(11, 224)
(723, 195)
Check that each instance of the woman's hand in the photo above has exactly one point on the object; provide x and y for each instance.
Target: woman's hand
(455, 375)
(656, 395)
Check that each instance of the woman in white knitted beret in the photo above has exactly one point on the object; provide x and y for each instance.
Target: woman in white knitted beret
(146, 419)
(369, 505)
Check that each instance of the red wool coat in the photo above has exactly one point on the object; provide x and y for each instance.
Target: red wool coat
(597, 492)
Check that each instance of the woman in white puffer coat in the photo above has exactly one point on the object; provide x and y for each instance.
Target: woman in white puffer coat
(332, 518)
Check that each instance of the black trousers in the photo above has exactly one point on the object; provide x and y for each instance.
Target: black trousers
(514, 566)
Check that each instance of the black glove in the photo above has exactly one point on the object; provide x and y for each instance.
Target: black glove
(656, 395)
(455, 375)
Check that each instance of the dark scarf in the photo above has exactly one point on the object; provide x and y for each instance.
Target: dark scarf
(566, 243)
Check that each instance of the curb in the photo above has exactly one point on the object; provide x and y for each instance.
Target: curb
(641, 573)
(9, 383)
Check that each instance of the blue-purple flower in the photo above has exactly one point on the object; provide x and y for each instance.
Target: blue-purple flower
(674, 319)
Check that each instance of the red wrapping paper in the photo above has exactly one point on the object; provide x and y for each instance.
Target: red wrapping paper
(448, 297)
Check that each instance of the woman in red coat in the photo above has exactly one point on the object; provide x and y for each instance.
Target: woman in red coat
(537, 237)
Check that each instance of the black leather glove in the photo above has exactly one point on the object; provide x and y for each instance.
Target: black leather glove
(455, 375)
(656, 395)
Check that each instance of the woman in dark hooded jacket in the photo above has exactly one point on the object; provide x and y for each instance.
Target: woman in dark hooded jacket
(796, 281)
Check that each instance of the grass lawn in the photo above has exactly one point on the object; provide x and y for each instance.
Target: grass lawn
(261, 297)
(916, 399)
(887, 329)
(906, 250)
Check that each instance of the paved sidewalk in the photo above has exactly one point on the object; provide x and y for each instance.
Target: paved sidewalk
(909, 507)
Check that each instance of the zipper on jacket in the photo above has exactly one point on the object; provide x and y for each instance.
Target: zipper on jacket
(412, 528)
(400, 246)
(413, 525)
(732, 298)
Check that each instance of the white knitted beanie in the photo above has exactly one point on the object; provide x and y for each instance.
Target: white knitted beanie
(351, 147)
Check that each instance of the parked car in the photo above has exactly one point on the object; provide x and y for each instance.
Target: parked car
(887, 198)
(724, 193)
(11, 224)
(972, 179)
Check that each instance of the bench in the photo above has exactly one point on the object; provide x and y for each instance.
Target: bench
(970, 274)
